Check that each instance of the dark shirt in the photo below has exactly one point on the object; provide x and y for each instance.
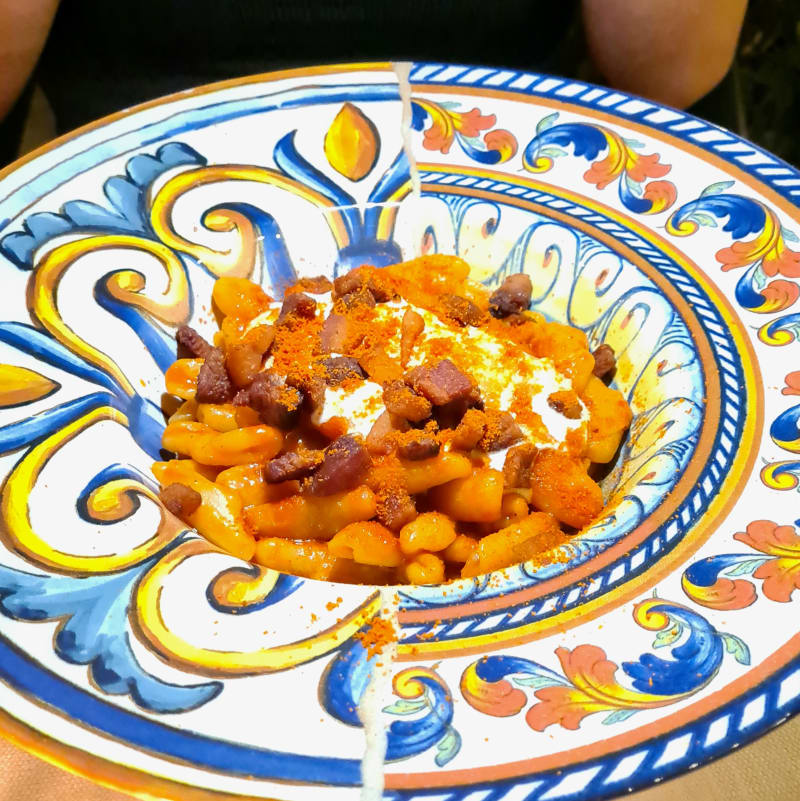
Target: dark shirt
(106, 55)
(103, 56)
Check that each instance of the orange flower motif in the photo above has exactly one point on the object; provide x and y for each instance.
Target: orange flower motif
(503, 142)
(438, 137)
(781, 575)
(778, 295)
(777, 259)
(662, 194)
(594, 689)
(471, 123)
(641, 167)
(769, 246)
(781, 578)
(446, 125)
(782, 260)
(621, 158)
(792, 384)
(568, 706)
(603, 172)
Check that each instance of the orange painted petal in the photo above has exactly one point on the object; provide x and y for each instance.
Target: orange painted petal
(587, 660)
(792, 383)
(781, 577)
(770, 538)
(602, 172)
(565, 706)
(782, 260)
(740, 254)
(503, 141)
(437, 138)
(724, 593)
(778, 295)
(471, 123)
(643, 167)
(499, 699)
(662, 194)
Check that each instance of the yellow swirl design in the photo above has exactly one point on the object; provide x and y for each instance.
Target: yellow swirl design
(619, 156)
(175, 650)
(539, 164)
(114, 501)
(237, 588)
(173, 308)
(776, 475)
(685, 227)
(780, 336)
(44, 293)
(768, 243)
(240, 261)
(406, 683)
(650, 618)
(19, 533)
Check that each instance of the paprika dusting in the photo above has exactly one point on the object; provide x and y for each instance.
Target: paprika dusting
(363, 402)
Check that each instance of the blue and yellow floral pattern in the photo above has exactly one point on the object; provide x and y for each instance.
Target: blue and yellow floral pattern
(107, 590)
(447, 123)
(765, 256)
(623, 164)
(714, 581)
(587, 685)
(642, 326)
(421, 714)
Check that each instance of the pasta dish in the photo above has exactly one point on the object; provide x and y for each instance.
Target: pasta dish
(396, 425)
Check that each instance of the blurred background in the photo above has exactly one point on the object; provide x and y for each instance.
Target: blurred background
(759, 97)
(762, 91)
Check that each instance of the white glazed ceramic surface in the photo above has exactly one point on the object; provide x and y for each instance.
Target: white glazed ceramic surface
(664, 635)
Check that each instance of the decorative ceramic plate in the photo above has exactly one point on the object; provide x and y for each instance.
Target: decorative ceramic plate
(665, 634)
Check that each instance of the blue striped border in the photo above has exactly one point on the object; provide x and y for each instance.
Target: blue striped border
(768, 169)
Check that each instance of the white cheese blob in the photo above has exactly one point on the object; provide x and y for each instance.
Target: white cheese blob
(360, 406)
(483, 356)
(475, 351)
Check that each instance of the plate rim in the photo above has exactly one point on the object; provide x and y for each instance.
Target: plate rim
(111, 774)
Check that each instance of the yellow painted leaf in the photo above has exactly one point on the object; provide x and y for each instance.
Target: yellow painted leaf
(19, 385)
(352, 143)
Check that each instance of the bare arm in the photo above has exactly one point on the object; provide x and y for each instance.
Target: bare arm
(24, 25)
(673, 51)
